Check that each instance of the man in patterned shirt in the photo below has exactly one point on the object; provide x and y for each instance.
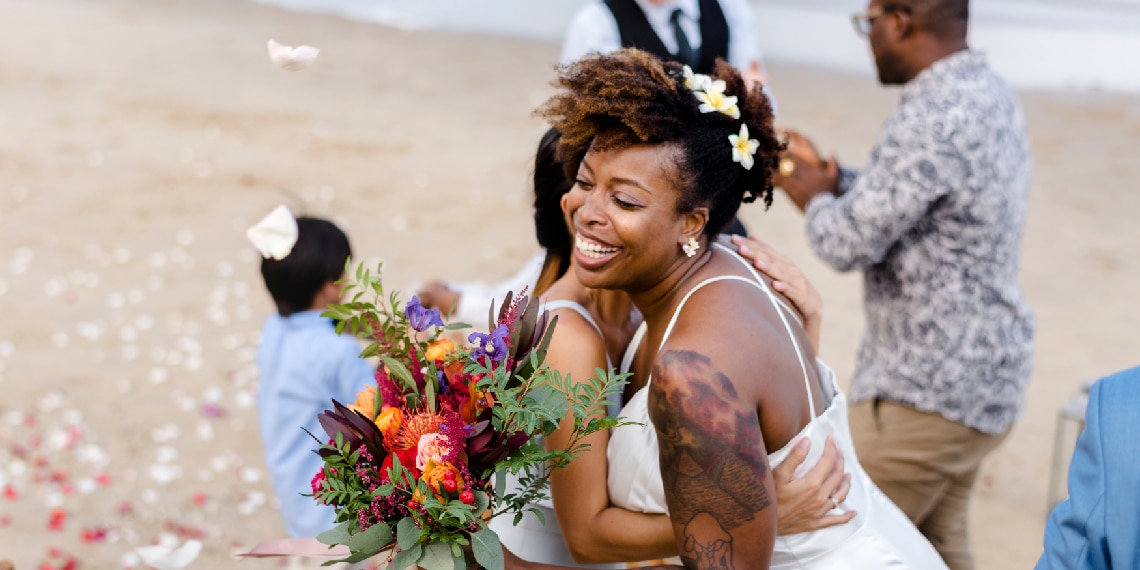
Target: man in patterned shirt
(934, 222)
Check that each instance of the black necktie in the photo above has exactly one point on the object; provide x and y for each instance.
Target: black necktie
(684, 50)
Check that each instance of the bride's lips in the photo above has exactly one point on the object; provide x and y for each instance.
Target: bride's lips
(591, 253)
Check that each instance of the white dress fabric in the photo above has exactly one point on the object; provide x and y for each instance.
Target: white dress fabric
(533, 539)
(879, 537)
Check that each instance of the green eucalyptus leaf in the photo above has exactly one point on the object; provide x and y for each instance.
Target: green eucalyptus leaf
(408, 533)
(373, 540)
(336, 535)
(456, 326)
(436, 556)
(482, 500)
(488, 551)
(407, 557)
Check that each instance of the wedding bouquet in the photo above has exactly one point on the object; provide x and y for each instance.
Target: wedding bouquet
(418, 463)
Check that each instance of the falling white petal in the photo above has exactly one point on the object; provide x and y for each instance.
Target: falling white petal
(292, 58)
(275, 235)
(166, 558)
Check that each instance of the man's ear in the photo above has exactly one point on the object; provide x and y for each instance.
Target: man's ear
(900, 24)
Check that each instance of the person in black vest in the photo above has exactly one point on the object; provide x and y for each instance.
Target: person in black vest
(693, 32)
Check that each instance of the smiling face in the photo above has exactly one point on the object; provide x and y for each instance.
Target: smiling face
(628, 233)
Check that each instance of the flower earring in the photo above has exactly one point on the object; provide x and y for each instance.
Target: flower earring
(690, 248)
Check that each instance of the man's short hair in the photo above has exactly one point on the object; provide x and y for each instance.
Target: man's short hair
(942, 17)
(317, 258)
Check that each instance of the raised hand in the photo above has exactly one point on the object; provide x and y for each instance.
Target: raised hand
(437, 295)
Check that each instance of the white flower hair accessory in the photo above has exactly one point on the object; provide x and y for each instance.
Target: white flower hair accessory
(710, 93)
(275, 235)
(743, 148)
(696, 81)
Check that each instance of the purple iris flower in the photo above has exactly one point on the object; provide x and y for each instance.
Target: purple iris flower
(421, 317)
(443, 385)
(492, 345)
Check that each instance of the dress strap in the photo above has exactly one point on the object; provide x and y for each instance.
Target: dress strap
(631, 350)
(776, 302)
(791, 311)
(685, 299)
(567, 304)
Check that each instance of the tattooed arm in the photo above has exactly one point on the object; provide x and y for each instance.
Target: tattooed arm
(713, 465)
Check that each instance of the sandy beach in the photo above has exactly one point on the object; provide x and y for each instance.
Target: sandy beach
(138, 140)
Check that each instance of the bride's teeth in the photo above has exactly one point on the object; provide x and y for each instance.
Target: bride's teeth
(592, 249)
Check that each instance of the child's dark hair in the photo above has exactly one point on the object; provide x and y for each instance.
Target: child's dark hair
(631, 97)
(317, 258)
(550, 185)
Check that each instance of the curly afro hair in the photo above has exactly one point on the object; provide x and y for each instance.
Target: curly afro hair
(608, 102)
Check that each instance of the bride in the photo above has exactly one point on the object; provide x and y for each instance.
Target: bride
(594, 328)
(667, 159)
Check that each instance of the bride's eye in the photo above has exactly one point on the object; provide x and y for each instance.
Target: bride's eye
(624, 204)
(583, 184)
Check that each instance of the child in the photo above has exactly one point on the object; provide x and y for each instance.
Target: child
(304, 364)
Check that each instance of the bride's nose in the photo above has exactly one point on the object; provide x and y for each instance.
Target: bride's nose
(590, 212)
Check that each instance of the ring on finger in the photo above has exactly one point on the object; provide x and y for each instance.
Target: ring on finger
(834, 503)
(787, 166)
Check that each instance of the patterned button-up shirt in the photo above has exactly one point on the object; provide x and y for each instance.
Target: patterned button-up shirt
(935, 223)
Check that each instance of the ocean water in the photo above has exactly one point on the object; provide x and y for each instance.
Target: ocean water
(1040, 44)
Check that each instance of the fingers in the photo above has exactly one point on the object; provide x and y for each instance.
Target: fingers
(786, 471)
(834, 520)
(840, 493)
(831, 466)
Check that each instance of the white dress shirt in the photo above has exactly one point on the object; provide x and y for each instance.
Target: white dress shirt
(594, 29)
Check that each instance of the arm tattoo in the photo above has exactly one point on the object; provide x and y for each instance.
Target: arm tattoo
(711, 463)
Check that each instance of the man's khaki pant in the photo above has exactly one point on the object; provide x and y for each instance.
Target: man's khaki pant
(927, 465)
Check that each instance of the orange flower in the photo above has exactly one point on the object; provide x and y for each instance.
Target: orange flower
(389, 422)
(474, 406)
(439, 349)
(365, 402)
(437, 473)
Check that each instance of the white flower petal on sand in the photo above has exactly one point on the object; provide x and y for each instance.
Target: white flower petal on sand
(743, 148)
(292, 58)
(276, 234)
(166, 558)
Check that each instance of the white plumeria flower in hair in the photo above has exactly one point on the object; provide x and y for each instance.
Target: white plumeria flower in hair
(276, 234)
(743, 148)
(696, 81)
(713, 99)
(292, 58)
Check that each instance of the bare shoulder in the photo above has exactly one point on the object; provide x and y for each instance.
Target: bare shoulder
(735, 327)
(576, 347)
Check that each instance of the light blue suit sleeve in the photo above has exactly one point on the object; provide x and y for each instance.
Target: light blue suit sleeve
(1075, 532)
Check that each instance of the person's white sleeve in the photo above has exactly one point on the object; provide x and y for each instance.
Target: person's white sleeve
(743, 41)
(475, 299)
(593, 29)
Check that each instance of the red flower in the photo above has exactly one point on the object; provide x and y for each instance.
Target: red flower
(317, 481)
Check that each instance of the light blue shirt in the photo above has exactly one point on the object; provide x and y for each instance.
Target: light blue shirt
(304, 364)
(1096, 527)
